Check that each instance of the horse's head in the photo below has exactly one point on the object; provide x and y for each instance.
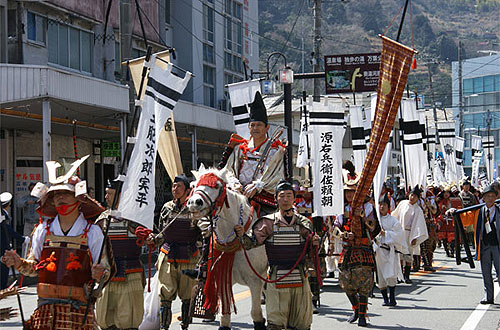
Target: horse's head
(208, 195)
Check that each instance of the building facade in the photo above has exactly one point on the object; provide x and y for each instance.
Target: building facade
(481, 103)
(61, 75)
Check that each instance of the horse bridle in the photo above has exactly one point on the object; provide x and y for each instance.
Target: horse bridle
(207, 199)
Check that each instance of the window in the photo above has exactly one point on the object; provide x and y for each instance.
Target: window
(489, 83)
(237, 10)
(233, 36)
(208, 53)
(478, 85)
(69, 46)
(36, 28)
(209, 86)
(468, 87)
(208, 23)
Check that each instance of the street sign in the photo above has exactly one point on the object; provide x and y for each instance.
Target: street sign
(352, 73)
(111, 149)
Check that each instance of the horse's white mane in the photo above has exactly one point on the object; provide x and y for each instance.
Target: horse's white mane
(223, 174)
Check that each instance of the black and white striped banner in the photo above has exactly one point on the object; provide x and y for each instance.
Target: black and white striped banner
(489, 152)
(163, 90)
(415, 158)
(359, 144)
(477, 155)
(242, 94)
(328, 127)
(446, 131)
(459, 154)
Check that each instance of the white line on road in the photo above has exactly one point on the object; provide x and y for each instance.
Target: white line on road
(476, 316)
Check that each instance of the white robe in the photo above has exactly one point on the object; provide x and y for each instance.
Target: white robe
(388, 260)
(412, 220)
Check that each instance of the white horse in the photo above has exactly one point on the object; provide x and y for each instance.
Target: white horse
(231, 208)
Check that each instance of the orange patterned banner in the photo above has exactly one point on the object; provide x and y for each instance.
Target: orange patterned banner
(395, 65)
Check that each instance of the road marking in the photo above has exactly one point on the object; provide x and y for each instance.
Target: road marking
(476, 316)
(237, 297)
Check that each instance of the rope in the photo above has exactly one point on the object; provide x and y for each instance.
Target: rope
(142, 233)
(308, 243)
(393, 19)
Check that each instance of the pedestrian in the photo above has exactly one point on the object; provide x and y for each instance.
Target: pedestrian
(7, 235)
(284, 233)
(487, 238)
(28, 204)
(357, 261)
(121, 305)
(64, 254)
(411, 217)
(178, 241)
(389, 246)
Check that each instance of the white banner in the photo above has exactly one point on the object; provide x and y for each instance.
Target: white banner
(414, 157)
(359, 145)
(489, 149)
(303, 151)
(137, 202)
(327, 125)
(459, 154)
(446, 130)
(380, 175)
(431, 149)
(242, 94)
(477, 155)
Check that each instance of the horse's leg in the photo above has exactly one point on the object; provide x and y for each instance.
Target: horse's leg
(256, 311)
(225, 322)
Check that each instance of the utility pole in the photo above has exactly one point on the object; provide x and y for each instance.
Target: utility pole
(317, 48)
(433, 103)
(460, 92)
(125, 30)
(491, 144)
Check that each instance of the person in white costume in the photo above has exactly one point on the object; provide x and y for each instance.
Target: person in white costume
(388, 247)
(411, 217)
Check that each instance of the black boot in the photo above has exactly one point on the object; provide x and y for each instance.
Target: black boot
(386, 298)
(363, 307)
(355, 307)
(392, 296)
(165, 314)
(406, 275)
(446, 247)
(416, 263)
(185, 314)
(452, 249)
(427, 262)
(259, 325)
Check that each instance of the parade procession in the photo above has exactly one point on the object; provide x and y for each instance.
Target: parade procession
(145, 186)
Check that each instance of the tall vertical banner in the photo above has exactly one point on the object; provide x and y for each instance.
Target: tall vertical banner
(446, 131)
(303, 151)
(358, 136)
(380, 175)
(242, 94)
(327, 125)
(168, 146)
(414, 157)
(395, 63)
(489, 149)
(477, 155)
(459, 154)
(431, 150)
(137, 202)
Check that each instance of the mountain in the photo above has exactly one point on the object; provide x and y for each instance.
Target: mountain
(352, 26)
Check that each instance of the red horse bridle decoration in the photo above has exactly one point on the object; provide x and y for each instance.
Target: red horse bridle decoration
(212, 181)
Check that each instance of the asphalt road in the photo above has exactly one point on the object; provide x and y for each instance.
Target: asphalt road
(446, 299)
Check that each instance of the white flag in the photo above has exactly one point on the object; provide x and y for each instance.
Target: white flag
(327, 125)
(359, 147)
(137, 202)
(477, 155)
(489, 149)
(379, 178)
(446, 130)
(303, 151)
(242, 94)
(414, 157)
(459, 153)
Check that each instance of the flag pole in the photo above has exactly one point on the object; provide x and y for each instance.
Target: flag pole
(123, 169)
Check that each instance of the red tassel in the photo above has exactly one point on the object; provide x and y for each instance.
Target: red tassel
(414, 64)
